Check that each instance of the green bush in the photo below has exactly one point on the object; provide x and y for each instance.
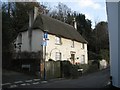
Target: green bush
(93, 67)
(84, 67)
(74, 71)
(69, 70)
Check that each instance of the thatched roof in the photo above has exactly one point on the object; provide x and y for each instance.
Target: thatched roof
(56, 27)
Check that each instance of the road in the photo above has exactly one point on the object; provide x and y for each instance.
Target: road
(94, 80)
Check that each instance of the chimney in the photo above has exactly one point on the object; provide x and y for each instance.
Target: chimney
(74, 23)
(35, 12)
(31, 18)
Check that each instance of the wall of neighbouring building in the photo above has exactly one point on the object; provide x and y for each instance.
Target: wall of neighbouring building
(113, 26)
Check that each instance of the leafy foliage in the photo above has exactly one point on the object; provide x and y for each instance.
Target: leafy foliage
(15, 16)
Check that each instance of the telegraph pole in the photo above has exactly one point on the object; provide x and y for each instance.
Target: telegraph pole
(45, 44)
(44, 61)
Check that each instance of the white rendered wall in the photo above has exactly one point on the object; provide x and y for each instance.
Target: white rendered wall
(65, 49)
(52, 48)
(114, 27)
(37, 40)
(25, 41)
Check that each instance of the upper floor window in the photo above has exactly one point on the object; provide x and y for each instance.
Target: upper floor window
(82, 46)
(73, 45)
(58, 40)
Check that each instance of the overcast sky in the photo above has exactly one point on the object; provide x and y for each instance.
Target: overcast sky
(95, 10)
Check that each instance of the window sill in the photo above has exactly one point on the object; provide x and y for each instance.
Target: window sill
(58, 43)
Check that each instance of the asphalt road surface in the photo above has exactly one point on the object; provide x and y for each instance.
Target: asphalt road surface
(95, 80)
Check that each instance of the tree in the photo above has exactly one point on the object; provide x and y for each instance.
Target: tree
(100, 45)
(14, 17)
(60, 12)
(101, 34)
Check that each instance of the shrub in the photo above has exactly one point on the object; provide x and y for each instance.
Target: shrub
(74, 71)
(84, 67)
(93, 67)
(69, 70)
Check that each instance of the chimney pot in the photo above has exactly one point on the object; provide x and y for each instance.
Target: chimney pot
(75, 23)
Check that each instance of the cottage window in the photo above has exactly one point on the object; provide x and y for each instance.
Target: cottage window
(57, 40)
(83, 59)
(82, 46)
(58, 56)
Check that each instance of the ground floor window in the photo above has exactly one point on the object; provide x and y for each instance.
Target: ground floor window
(73, 58)
(83, 59)
(58, 56)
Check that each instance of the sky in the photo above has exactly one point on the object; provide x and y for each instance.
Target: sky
(94, 10)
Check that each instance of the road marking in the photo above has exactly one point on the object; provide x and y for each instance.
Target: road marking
(36, 79)
(27, 84)
(18, 82)
(13, 86)
(28, 81)
(23, 84)
(43, 81)
(36, 83)
(5, 84)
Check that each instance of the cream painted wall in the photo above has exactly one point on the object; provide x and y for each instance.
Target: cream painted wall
(25, 41)
(24, 45)
(37, 38)
(51, 48)
(65, 49)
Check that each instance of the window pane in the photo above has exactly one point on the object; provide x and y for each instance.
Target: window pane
(82, 46)
(83, 59)
(58, 56)
(57, 40)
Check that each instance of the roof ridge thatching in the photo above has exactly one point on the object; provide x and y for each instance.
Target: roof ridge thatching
(57, 27)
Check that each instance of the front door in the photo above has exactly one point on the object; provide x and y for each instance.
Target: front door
(73, 58)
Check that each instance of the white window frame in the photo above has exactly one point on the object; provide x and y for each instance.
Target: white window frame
(58, 56)
(82, 45)
(58, 40)
(82, 59)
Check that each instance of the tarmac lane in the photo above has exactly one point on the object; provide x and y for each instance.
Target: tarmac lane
(94, 80)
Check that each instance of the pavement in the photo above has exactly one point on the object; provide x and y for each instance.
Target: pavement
(12, 79)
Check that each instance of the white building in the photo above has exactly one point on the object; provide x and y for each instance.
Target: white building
(63, 40)
(113, 11)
